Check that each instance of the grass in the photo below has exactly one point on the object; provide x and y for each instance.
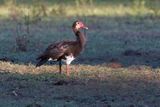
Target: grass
(93, 86)
(73, 8)
(112, 35)
(118, 68)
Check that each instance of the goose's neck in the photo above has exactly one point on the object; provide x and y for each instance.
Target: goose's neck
(80, 37)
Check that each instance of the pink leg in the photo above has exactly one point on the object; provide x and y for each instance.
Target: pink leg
(67, 70)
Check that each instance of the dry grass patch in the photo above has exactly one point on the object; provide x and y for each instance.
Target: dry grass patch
(87, 71)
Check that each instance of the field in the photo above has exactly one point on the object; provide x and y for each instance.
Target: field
(118, 68)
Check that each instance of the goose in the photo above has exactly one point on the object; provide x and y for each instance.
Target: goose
(65, 51)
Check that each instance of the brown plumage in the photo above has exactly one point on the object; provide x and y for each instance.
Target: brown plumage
(65, 50)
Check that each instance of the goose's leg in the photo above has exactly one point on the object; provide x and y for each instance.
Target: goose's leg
(67, 69)
(60, 66)
(69, 59)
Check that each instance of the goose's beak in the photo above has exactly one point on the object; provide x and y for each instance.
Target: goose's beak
(85, 27)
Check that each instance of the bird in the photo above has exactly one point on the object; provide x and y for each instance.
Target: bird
(65, 51)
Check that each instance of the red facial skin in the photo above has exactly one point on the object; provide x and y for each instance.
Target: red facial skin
(83, 26)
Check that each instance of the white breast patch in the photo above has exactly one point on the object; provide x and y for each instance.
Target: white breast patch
(69, 59)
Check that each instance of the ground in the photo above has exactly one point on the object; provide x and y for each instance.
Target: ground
(92, 86)
(119, 66)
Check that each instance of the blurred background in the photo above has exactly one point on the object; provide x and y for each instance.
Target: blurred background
(114, 70)
(121, 31)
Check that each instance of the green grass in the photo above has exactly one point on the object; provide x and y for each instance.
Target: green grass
(81, 8)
